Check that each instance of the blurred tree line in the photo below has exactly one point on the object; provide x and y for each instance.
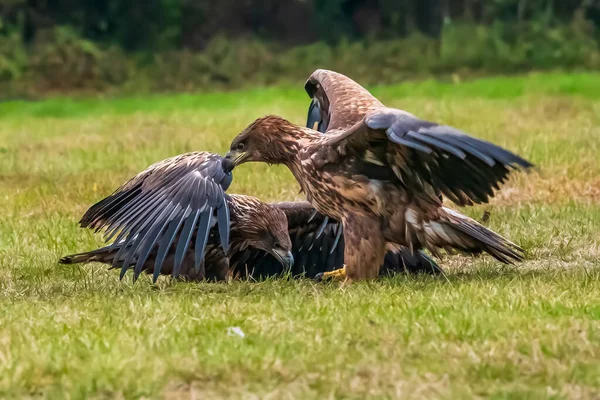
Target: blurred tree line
(195, 43)
(169, 24)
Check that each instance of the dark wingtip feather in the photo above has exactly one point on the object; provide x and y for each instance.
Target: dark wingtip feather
(123, 272)
(395, 137)
(224, 223)
(165, 245)
(322, 227)
(202, 234)
(66, 260)
(313, 214)
(184, 240)
(338, 235)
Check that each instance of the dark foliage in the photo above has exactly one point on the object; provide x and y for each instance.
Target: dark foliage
(162, 24)
(190, 44)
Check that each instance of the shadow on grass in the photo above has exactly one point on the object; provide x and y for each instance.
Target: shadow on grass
(92, 280)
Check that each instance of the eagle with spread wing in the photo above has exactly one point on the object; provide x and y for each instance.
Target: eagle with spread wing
(383, 174)
(175, 218)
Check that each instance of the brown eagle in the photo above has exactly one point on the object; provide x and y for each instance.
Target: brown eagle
(318, 248)
(175, 219)
(384, 175)
(173, 215)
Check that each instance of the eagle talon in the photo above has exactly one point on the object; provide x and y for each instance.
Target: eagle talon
(337, 274)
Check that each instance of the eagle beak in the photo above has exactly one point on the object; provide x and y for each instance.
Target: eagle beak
(232, 159)
(286, 259)
(314, 115)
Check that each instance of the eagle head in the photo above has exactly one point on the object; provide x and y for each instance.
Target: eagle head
(269, 139)
(261, 226)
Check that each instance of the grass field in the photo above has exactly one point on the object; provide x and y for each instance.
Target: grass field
(484, 330)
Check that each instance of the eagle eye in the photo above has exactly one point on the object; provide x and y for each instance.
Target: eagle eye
(240, 146)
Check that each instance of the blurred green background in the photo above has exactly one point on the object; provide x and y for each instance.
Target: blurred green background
(49, 46)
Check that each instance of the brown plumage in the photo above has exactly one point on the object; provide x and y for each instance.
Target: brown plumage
(153, 205)
(337, 101)
(318, 247)
(383, 178)
(171, 216)
(254, 226)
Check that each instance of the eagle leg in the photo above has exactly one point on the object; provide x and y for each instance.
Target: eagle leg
(364, 248)
(336, 274)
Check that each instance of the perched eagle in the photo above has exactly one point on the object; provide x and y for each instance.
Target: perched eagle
(176, 219)
(383, 176)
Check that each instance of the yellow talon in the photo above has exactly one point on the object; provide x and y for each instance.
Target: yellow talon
(337, 274)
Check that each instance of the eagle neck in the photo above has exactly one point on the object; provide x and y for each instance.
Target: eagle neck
(293, 142)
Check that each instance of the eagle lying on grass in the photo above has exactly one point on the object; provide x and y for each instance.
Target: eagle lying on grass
(318, 247)
(175, 219)
(382, 172)
(171, 217)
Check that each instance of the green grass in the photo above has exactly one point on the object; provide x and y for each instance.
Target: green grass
(485, 330)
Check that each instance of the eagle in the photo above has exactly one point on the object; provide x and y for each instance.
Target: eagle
(175, 218)
(174, 215)
(318, 248)
(383, 174)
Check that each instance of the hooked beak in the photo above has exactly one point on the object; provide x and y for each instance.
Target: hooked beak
(232, 159)
(286, 259)
(314, 116)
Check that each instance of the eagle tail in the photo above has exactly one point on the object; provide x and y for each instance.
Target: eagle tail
(103, 255)
(107, 255)
(454, 231)
(403, 260)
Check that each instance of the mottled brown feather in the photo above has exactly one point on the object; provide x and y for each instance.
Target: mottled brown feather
(343, 101)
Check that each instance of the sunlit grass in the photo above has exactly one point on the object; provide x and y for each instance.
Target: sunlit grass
(482, 330)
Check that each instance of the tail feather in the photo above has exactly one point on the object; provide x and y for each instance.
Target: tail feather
(107, 255)
(403, 260)
(103, 255)
(454, 231)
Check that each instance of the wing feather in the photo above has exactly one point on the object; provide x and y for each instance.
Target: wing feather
(429, 158)
(168, 204)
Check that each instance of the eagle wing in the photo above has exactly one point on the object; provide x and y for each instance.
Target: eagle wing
(427, 157)
(318, 246)
(169, 204)
(338, 102)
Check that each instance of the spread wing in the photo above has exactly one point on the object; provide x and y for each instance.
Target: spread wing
(318, 246)
(427, 157)
(338, 102)
(171, 204)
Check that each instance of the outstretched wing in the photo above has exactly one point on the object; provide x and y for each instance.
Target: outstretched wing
(170, 204)
(338, 102)
(318, 246)
(427, 157)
